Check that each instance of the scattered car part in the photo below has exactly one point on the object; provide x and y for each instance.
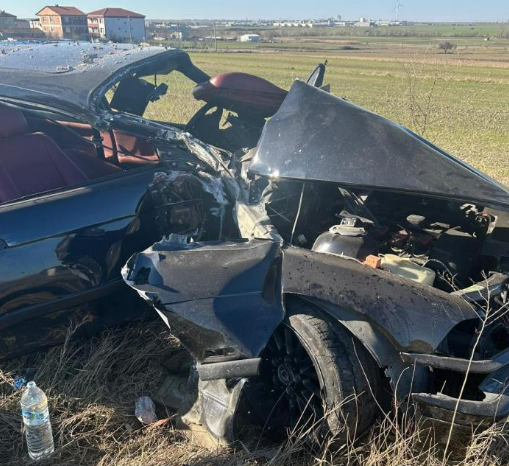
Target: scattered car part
(145, 410)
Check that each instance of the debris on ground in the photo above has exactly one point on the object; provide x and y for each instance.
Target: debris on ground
(172, 391)
(145, 410)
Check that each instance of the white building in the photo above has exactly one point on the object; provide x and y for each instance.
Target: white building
(250, 38)
(364, 23)
(116, 24)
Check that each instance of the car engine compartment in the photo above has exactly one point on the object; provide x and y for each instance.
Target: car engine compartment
(440, 243)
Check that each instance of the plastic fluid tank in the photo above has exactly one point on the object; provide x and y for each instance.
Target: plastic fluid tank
(406, 268)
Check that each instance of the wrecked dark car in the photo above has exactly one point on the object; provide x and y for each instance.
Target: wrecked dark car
(313, 258)
(368, 263)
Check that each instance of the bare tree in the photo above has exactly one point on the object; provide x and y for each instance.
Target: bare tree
(447, 46)
(421, 93)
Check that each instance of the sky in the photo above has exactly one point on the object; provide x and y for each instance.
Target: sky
(413, 10)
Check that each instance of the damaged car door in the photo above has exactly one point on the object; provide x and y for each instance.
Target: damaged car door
(65, 248)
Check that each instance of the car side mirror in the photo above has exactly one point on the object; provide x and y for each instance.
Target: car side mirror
(133, 95)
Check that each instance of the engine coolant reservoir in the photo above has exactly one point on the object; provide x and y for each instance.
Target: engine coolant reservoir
(406, 268)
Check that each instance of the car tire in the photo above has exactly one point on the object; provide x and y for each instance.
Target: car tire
(349, 377)
(346, 379)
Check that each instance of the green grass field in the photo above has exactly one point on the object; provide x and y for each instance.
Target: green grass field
(458, 103)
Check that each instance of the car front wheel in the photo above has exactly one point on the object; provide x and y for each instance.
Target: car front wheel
(314, 375)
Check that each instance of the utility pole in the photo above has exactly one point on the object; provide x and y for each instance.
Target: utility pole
(215, 35)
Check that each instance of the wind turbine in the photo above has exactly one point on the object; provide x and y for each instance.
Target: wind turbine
(397, 8)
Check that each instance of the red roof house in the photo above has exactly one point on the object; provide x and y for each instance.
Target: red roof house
(63, 22)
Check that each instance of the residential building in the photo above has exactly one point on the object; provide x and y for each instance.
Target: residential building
(117, 24)
(7, 20)
(35, 23)
(13, 28)
(63, 22)
(250, 38)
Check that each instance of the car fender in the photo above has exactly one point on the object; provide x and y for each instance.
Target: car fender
(412, 317)
(223, 300)
(402, 377)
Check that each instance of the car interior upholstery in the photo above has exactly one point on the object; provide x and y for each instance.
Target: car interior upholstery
(39, 154)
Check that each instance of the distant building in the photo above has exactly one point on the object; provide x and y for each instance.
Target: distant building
(13, 28)
(7, 20)
(35, 23)
(250, 38)
(364, 23)
(387, 22)
(179, 35)
(117, 24)
(165, 30)
(22, 24)
(63, 22)
(304, 24)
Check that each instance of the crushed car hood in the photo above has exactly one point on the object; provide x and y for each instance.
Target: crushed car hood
(317, 136)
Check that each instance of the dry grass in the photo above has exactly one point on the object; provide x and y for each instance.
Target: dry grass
(92, 385)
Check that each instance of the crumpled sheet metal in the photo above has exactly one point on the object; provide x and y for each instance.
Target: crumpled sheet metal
(414, 317)
(229, 313)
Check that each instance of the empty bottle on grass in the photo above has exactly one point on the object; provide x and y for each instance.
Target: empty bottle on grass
(34, 407)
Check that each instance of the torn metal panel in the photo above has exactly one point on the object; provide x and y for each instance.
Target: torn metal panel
(492, 402)
(226, 314)
(414, 317)
(213, 405)
(317, 136)
(458, 364)
(494, 406)
(229, 369)
(209, 313)
(206, 153)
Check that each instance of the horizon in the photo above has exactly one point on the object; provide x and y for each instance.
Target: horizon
(434, 11)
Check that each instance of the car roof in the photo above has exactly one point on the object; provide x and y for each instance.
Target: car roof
(64, 75)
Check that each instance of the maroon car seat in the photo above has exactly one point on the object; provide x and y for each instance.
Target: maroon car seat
(242, 93)
(31, 163)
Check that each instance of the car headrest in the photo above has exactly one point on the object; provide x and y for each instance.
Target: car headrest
(12, 121)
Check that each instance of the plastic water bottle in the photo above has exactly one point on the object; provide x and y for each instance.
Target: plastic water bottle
(34, 407)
